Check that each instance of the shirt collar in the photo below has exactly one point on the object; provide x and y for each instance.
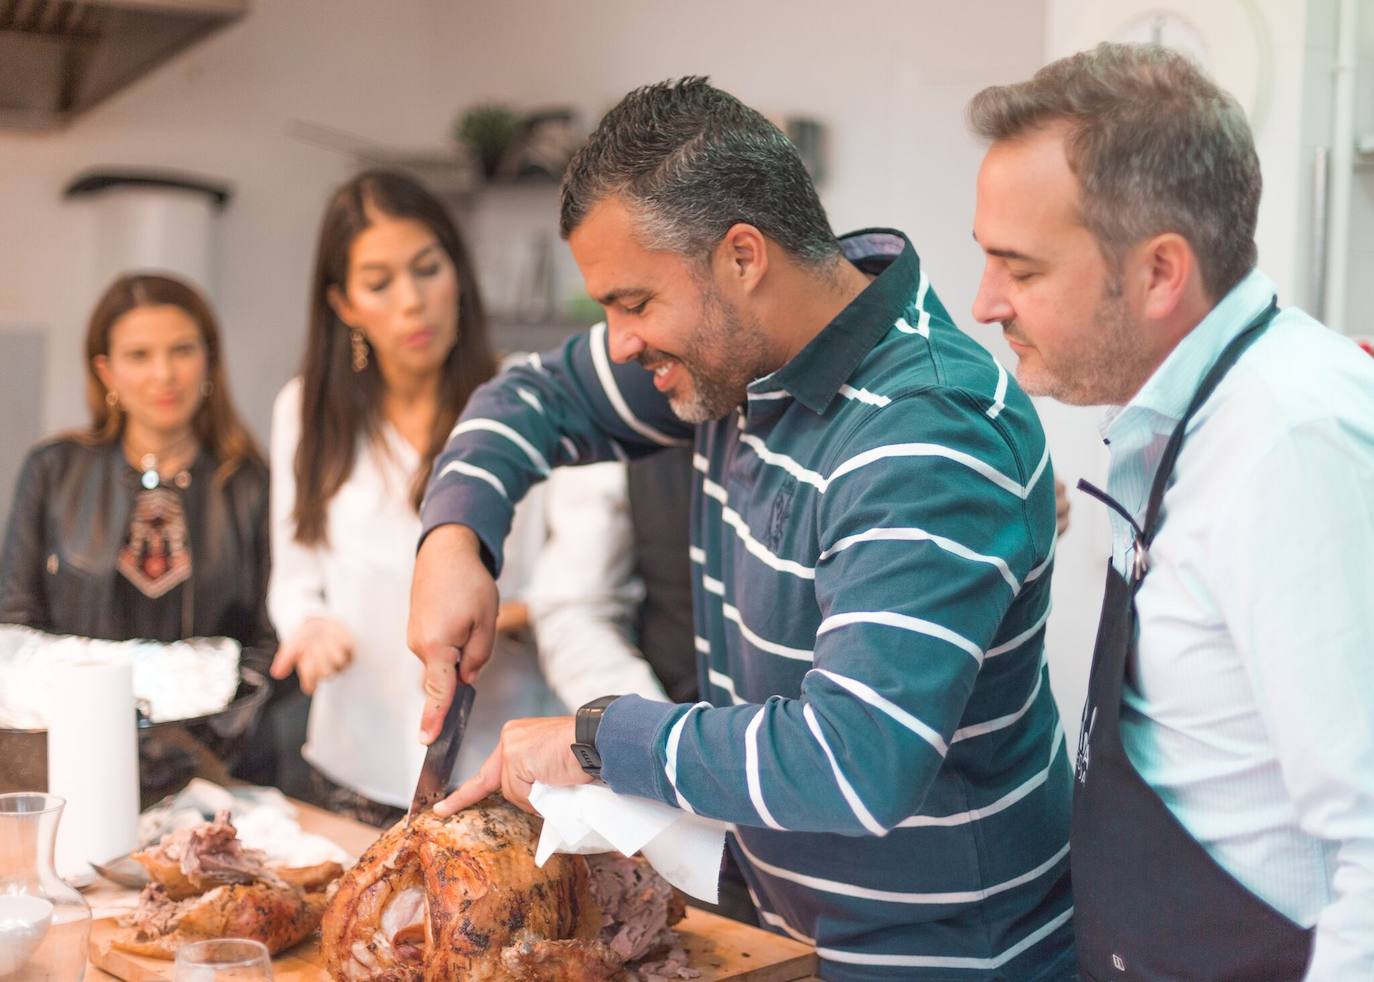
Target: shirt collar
(1170, 389)
(814, 375)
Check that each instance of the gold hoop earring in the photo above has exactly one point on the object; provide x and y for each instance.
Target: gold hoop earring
(206, 388)
(112, 399)
(359, 344)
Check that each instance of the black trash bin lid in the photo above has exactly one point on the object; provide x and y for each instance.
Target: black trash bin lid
(96, 181)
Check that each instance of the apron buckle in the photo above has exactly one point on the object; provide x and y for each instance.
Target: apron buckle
(1141, 561)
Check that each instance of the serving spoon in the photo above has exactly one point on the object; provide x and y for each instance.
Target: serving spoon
(123, 871)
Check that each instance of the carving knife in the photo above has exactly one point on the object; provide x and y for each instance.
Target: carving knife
(442, 754)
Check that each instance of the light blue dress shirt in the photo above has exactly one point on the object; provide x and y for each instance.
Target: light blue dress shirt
(1249, 707)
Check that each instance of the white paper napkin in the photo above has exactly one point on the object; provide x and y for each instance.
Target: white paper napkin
(684, 848)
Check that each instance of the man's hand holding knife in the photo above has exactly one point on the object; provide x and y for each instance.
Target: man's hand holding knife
(452, 629)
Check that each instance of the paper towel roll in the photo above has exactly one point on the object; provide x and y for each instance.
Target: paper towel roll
(93, 763)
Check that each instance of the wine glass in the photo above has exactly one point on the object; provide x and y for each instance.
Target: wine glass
(223, 960)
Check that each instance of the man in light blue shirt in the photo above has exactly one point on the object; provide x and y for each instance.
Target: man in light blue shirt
(1224, 793)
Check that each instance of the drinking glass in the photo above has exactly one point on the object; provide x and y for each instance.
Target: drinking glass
(224, 960)
(44, 924)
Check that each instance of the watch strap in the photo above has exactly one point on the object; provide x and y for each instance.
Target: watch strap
(586, 722)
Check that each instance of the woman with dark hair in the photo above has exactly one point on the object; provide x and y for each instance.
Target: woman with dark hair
(397, 342)
(151, 522)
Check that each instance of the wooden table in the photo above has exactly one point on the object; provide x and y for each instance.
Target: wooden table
(351, 835)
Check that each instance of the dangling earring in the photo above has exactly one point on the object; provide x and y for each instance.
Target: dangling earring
(359, 349)
(112, 399)
(206, 388)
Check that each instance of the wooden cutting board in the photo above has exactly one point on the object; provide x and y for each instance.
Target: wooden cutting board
(719, 948)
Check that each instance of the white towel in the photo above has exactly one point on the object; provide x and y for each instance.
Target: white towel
(684, 848)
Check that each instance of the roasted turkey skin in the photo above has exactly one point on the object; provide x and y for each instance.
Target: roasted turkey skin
(278, 916)
(439, 899)
(206, 884)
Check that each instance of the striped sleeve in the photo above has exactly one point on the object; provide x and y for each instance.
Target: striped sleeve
(571, 406)
(931, 518)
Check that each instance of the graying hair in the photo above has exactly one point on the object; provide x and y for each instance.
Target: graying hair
(695, 161)
(1156, 147)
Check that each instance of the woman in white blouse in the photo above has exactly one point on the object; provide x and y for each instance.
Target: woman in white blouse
(397, 342)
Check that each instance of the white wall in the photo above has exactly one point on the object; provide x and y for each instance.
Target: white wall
(889, 78)
(1359, 316)
(890, 86)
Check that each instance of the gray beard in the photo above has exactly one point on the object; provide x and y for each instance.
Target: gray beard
(709, 400)
(723, 358)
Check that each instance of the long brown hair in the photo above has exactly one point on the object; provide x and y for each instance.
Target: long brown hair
(216, 425)
(338, 405)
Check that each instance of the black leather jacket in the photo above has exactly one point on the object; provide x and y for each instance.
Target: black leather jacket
(70, 516)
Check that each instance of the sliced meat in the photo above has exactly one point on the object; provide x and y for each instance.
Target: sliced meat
(190, 899)
(156, 913)
(670, 967)
(195, 859)
(638, 906)
(534, 960)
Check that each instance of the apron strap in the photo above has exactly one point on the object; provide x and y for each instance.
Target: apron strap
(1138, 564)
(1220, 367)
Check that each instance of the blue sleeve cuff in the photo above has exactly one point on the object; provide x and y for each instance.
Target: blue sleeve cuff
(628, 741)
(473, 504)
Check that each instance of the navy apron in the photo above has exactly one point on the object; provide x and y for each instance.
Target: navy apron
(1149, 902)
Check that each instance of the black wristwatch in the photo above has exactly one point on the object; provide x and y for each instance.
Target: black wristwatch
(584, 734)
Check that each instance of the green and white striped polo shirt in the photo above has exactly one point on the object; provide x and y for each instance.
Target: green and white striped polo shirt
(872, 540)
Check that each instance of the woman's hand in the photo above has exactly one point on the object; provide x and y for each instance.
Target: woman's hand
(321, 647)
(512, 618)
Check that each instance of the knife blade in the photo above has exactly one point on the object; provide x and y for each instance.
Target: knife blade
(433, 785)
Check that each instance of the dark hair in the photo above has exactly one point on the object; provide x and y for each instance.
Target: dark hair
(338, 405)
(696, 160)
(215, 424)
(1156, 147)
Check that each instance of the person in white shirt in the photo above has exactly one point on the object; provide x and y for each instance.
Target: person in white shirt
(1224, 795)
(397, 342)
(584, 592)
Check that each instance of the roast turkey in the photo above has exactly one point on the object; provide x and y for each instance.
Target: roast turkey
(461, 899)
(207, 885)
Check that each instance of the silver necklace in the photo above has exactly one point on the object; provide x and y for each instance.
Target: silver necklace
(150, 478)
